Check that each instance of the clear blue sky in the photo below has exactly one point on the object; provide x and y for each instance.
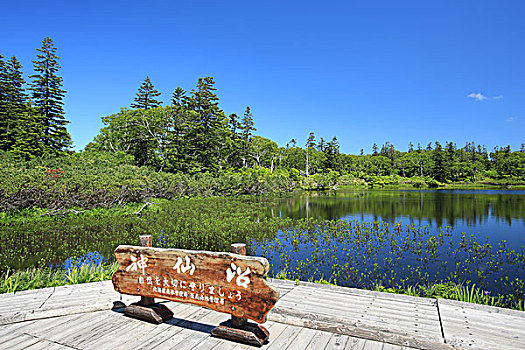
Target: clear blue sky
(364, 71)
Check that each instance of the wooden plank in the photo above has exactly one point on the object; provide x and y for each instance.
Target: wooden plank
(39, 328)
(225, 282)
(303, 339)
(48, 345)
(196, 334)
(319, 340)
(207, 344)
(149, 331)
(177, 326)
(382, 333)
(100, 323)
(72, 328)
(284, 339)
(337, 342)
(382, 319)
(18, 341)
(10, 328)
(471, 325)
(482, 308)
(356, 311)
(182, 330)
(115, 336)
(362, 298)
(368, 293)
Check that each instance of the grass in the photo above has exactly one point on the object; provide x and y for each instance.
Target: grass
(35, 278)
(469, 293)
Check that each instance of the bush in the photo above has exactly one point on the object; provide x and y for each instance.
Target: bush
(95, 179)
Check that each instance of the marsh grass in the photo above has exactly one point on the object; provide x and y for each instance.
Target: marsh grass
(35, 278)
(469, 293)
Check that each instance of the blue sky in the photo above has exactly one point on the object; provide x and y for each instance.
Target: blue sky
(364, 71)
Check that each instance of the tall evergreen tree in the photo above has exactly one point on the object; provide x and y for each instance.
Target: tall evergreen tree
(310, 142)
(208, 127)
(47, 96)
(331, 153)
(4, 115)
(178, 96)
(375, 149)
(438, 157)
(247, 127)
(146, 96)
(19, 123)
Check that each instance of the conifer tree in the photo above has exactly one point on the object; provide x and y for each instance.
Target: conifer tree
(178, 96)
(146, 96)
(4, 117)
(247, 127)
(17, 117)
(47, 96)
(15, 121)
(208, 127)
(310, 142)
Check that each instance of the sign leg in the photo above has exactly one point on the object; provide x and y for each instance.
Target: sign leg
(146, 309)
(238, 328)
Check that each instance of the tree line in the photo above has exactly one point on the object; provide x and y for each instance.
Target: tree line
(192, 134)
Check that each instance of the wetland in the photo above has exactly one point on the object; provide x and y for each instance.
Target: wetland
(358, 238)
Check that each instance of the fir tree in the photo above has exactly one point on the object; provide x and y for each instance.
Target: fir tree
(375, 149)
(208, 127)
(146, 96)
(247, 127)
(178, 96)
(4, 116)
(310, 142)
(331, 153)
(47, 96)
(17, 108)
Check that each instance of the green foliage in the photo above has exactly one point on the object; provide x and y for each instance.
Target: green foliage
(47, 96)
(35, 278)
(97, 179)
(469, 293)
(146, 96)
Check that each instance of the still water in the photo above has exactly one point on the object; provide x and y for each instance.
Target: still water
(400, 237)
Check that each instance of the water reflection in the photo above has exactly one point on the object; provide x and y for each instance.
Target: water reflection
(439, 207)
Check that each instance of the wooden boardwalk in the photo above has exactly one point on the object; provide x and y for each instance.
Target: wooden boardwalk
(308, 316)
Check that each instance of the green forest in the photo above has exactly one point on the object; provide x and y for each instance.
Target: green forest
(191, 147)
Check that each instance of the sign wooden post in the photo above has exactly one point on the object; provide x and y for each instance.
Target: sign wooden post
(146, 309)
(238, 328)
(226, 282)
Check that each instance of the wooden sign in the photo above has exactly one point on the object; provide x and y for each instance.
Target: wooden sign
(224, 282)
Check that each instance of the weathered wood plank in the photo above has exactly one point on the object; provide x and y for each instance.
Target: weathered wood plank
(338, 308)
(18, 341)
(192, 332)
(284, 339)
(115, 336)
(48, 345)
(319, 340)
(149, 331)
(303, 339)
(171, 328)
(366, 330)
(360, 298)
(225, 282)
(198, 334)
(368, 293)
(337, 342)
(100, 323)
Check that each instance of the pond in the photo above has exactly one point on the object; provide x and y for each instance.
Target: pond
(355, 238)
(403, 237)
